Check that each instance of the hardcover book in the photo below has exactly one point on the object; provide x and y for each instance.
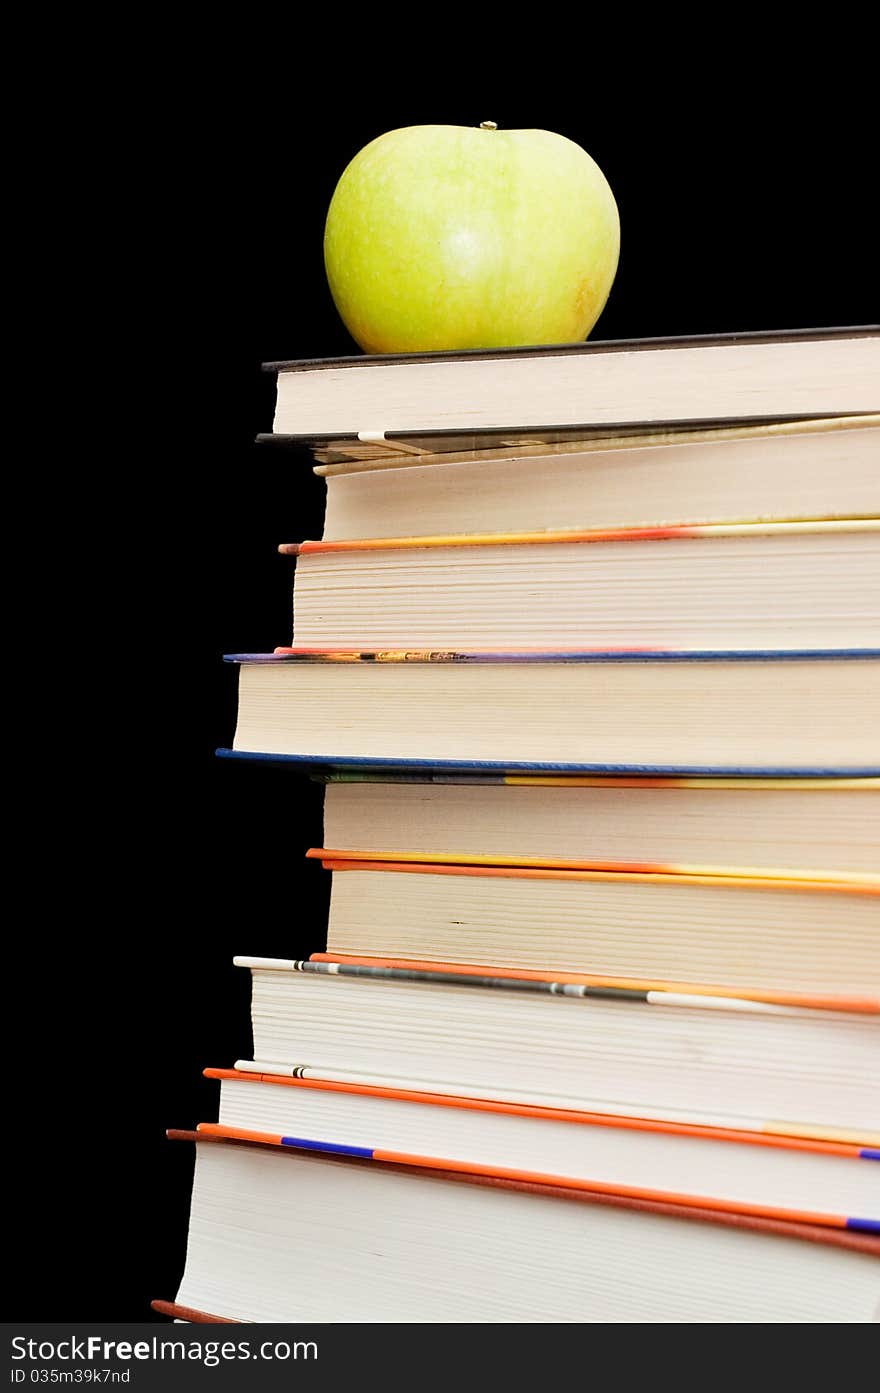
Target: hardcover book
(613, 712)
(569, 1044)
(821, 372)
(782, 585)
(782, 470)
(796, 827)
(740, 930)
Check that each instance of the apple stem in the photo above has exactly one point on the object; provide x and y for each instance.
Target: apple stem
(488, 126)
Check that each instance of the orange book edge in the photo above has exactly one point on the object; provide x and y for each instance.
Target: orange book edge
(583, 535)
(862, 1005)
(787, 1141)
(650, 1202)
(552, 868)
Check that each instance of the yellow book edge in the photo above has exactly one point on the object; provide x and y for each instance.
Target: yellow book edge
(760, 878)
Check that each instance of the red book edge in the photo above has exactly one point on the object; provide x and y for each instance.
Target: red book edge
(189, 1313)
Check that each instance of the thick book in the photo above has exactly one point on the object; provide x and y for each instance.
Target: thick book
(569, 1044)
(282, 1235)
(738, 930)
(796, 827)
(638, 712)
(802, 469)
(781, 585)
(822, 372)
(808, 1181)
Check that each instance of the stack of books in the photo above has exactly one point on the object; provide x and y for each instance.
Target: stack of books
(589, 662)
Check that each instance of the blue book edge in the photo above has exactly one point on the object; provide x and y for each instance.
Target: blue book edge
(575, 655)
(501, 767)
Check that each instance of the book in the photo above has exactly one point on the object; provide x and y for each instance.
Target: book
(551, 1042)
(753, 586)
(822, 372)
(616, 1112)
(800, 825)
(801, 469)
(282, 1235)
(736, 930)
(637, 712)
(809, 1181)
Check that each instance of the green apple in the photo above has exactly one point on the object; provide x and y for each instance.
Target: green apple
(445, 237)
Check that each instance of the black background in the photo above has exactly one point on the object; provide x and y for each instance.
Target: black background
(746, 203)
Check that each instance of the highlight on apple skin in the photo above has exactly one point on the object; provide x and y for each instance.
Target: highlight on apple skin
(456, 237)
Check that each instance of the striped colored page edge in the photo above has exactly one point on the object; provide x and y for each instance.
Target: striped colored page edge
(557, 984)
(299, 654)
(807, 1001)
(831, 783)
